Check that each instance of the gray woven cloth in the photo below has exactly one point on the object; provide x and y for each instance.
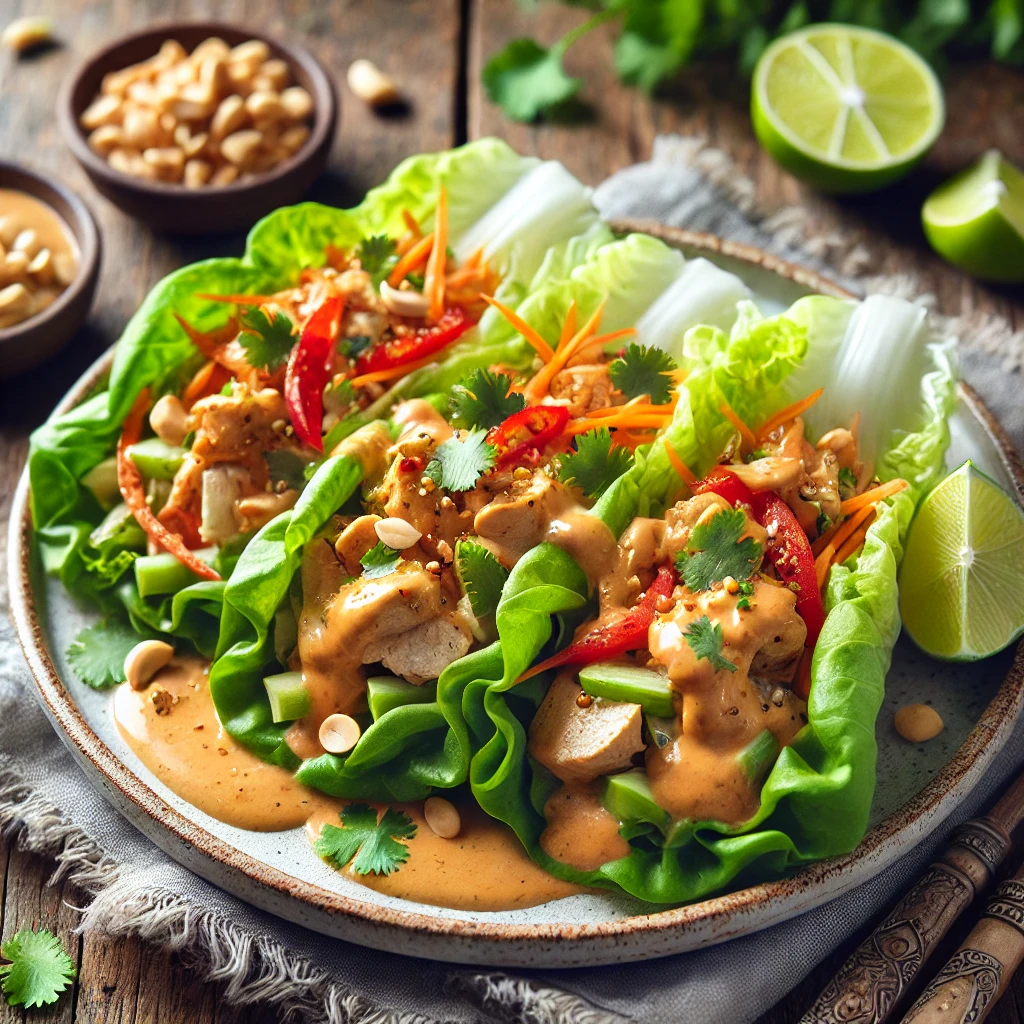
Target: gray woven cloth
(138, 890)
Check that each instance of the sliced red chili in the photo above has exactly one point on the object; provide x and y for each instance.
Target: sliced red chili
(129, 482)
(309, 369)
(726, 485)
(408, 348)
(629, 633)
(525, 434)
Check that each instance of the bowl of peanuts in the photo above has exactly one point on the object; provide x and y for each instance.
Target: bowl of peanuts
(49, 266)
(198, 128)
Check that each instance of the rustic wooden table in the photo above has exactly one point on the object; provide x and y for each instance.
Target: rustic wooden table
(435, 48)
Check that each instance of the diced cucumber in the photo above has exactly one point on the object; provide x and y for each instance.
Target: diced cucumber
(156, 459)
(102, 481)
(758, 755)
(628, 796)
(289, 698)
(164, 574)
(663, 730)
(385, 693)
(630, 685)
(118, 529)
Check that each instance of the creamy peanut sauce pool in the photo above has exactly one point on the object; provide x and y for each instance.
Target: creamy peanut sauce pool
(38, 256)
(483, 868)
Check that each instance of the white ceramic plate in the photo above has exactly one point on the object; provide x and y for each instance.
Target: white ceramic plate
(917, 788)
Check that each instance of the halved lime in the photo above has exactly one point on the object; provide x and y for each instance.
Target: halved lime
(847, 109)
(976, 219)
(962, 579)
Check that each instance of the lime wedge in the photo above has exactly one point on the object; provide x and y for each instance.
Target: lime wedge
(846, 109)
(976, 219)
(961, 592)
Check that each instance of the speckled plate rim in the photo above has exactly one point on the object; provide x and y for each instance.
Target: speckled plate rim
(481, 942)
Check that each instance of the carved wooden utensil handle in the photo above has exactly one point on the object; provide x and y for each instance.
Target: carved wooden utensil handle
(969, 985)
(870, 984)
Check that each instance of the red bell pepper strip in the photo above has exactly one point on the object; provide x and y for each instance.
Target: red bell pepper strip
(129, 481)
(309, 369)
(525, 434)
(627, 634)
(409, 348)
(790, 553)
(789, 550)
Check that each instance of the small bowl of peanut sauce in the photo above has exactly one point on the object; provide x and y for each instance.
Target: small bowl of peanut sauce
(49, 264)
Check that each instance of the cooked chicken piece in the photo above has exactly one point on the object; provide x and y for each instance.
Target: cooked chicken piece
(354, 541)
(777, 658)
(585, 387)
(642, 546)
(421, 653)
(772, 473)
(518, 518)
(256, 510)
(415, 413)
(368, 446)
(580, 744)
(238, 427)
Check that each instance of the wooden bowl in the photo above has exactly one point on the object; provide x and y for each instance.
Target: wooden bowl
(27, 344)
(174, 208)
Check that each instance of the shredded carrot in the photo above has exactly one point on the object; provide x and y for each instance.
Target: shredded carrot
(393, 372)
(856, 525)
(476, 260)
(869, 497)
(568, 325)
(853, 543)
(634, 406)
(631, 440)
(336, 258)
(600, 340)
(791, 412)
(802, 683)
(208, 380)
(237, 300)
(410, 261)
(129, 482)
(433, 283)
(542, 348)
(628, 420)
(682, 470)
(842, 529)
(747, 440)
(412, 223)
(678, 376)
(209, 342)
(539, 385)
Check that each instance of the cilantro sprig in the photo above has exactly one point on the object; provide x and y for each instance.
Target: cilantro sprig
(267, 342)
(595, 465)
(706, 641)
(37, 970)
(459, 462)
(379, 561)
(484, 399)
(378, 257)
(480, 575)
(642, 370)
(374, 845)
(658, 37)
(97, 653)
(714, 550)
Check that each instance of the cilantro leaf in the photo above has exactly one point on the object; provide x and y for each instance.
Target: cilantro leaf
(714, 550)
(458, 464)
(595, 465)
(377, 255)
(527, 80)
(379, 561)
(39, 968)
(267, 342)
(107, 567)
(97, 653)
(657, 38)
(374, 844)
(705, 640)
(353, 347)
(228, 389)
(483, 400)
(481, 576)
(643, 371)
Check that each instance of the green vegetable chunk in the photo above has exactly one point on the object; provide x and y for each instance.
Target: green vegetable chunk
(759, 755)
(102, 481)
(164, 574)
(629, 798)
(629, 684)
(157, 460)
(385, 693)
(289, 698)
